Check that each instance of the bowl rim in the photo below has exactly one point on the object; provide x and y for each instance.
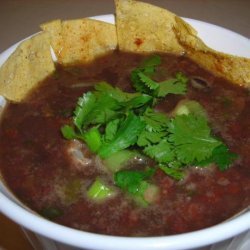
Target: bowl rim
(77, 238)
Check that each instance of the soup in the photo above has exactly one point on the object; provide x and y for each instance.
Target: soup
(58, 178)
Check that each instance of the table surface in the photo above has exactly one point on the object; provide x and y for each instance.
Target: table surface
(21, 18)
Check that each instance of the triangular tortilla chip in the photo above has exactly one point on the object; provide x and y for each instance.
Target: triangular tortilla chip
(30, 63)
(234, 68)
(81, 41)
(54, 28)
(142, 27)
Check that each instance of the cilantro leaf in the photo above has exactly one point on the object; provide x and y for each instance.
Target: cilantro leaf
(175, 173)
(177, 85)
(111, 129)
(142, 83)
(140, 76)
(133, 181)
(181, 77)
(156, 124)
(138, 101)
(68, 132)
(221, 156)
(93, 139)
(161, 152)
(85, 105)
(147, 138)
(116, 93)
(192, 138)
(148, 82)
(104, 110)
(125, 99)
(155, 121)
(94, 108)
(125, 136)
(148, 66)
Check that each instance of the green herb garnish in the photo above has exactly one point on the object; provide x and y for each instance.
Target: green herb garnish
(136, 183)
(221, 156)
(191, 137)
(99, 190)
(126, 136)
(142, 81)
(114, 124)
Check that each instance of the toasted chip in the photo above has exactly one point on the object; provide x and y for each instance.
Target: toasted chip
(234, 68)
(81, 41)
(142, 27)
(54, 28)
(30, 63)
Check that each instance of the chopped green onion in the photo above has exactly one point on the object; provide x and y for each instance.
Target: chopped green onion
(93, 139)
(99, 191)
(118, 160)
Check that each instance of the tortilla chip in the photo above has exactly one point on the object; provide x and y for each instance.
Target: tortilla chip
(81, 41)
(54, 28)
(234, 68)
(30, 63)
(142, 27)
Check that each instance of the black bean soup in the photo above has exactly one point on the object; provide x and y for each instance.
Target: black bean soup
(38, 165)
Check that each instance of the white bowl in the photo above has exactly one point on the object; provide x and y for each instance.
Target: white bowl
(54, 236)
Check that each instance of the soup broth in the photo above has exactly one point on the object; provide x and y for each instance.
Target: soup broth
(52, 175)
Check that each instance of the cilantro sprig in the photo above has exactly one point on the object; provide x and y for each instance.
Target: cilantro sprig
(136, 184)
(125, 136)
(141, 78)
(133, 181)
(221, 156)
(191, 137)
(110, 120)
